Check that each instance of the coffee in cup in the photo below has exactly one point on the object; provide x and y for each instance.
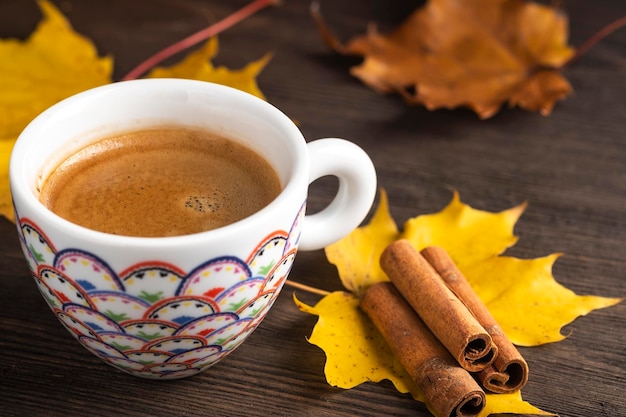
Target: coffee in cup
(160, 182)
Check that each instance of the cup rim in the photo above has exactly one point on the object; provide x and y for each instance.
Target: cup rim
(22, 190)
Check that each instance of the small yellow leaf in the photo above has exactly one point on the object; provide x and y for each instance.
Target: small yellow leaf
(357, 255)
(469, 235)
(355, 351)
(197, 65)
(528, 303)
(510, 404)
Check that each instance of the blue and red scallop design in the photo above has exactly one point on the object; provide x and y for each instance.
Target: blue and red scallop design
(153, 319)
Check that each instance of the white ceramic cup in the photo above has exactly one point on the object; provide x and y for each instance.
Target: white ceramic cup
(170, 307)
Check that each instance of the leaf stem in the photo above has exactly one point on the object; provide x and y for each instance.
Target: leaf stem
(307, 288)
(199, 36)
(597, 37)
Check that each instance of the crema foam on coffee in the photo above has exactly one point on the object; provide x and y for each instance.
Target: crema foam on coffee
(162, 182)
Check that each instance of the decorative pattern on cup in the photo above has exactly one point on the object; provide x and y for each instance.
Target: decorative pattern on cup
(154, 320)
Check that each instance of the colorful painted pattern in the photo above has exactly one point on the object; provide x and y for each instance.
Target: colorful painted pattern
(153, 319)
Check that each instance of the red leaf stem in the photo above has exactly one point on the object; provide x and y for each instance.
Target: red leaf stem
(199, 36)
(597, 37)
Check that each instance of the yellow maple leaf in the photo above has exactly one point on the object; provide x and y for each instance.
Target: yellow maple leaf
(197, 65)
(475, 239)
(52, 64)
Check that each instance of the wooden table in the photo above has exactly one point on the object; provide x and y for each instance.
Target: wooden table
(570, 167)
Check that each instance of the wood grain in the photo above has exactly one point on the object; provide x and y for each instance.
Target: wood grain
(570, 167)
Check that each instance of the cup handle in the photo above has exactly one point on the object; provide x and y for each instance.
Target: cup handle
(357, 189)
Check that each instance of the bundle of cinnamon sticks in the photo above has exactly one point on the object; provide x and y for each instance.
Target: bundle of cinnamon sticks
(440, 330)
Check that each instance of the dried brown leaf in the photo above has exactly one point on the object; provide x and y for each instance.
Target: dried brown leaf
(467, 53)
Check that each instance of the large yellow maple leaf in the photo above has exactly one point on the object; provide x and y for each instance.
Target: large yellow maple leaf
(475, 239)
(55, 62)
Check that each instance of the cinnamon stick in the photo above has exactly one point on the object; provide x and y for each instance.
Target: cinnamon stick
(444, 314)
(449, 390)
(509, 372)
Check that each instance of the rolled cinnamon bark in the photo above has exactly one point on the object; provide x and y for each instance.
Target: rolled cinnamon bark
(509, 372)
(444, 314)
(449, 389)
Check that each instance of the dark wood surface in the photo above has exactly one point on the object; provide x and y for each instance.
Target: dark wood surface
(570, 167)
